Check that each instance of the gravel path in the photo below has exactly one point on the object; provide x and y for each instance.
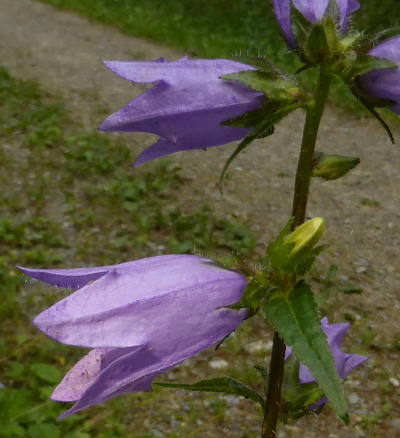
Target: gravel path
(64, 51)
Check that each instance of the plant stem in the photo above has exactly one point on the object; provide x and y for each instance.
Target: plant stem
(301, 191)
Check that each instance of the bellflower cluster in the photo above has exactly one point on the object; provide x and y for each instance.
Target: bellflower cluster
(345, 362)
(385, 83)
(186, 106)
(141, 318)
(313, 11)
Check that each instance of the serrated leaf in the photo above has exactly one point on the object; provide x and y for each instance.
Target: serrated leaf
(294, 315)
(227, 385)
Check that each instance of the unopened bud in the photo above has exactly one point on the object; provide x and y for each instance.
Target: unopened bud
(332, 166)
(305, 237)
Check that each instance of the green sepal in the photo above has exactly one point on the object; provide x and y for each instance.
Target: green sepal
(263, 130)
(385, 35)
(364, 63)
(322, 42)
(272, 85)
(293, 313)
(370, 103)
(264, 120)
(294, 253)
(227, 385)
(331, 167)
(254, 294)
(301, 27)
(257, 61)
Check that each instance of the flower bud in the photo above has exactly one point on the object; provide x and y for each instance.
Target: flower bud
(304, 238)
(332, 166)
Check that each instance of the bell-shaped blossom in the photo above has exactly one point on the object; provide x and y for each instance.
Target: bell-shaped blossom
(185, 106)
(141, 318)
(345, 362)
(384, 83)
(313, 11)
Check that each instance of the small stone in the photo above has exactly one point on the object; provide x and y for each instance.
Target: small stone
(218, 364)
(259, 347)
(394, 382)
(354, 398)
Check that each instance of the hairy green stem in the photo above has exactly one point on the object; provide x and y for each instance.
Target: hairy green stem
(301, 191)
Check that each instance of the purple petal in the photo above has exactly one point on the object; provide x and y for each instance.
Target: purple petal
(132, 305)
(385, 83)
(68, 278)
(282, 12)
(346, 7)
(79, 277)
(313, 10)
(389, 49)
(187, 105)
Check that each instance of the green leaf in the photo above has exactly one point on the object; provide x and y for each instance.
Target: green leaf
(48, 373)
(227, 385)
(294, 315)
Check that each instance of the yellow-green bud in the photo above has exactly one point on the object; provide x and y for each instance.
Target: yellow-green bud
(305, 237)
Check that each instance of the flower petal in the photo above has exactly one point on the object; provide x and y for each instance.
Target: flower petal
(313, 10)
(187, 105)
(385, 83)
(133, 305)
(282, 12)
(346, 7)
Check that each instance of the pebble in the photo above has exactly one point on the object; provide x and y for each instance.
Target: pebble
(218, 364)
(259, 347)
(394, 382)
(354, 398)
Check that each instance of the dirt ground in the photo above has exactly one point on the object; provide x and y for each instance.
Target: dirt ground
(64, 51)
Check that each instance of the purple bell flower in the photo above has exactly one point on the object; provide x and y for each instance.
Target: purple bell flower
(384, 83)
(141, 318)
(186, 105)
(313, 11)
(345, 362)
